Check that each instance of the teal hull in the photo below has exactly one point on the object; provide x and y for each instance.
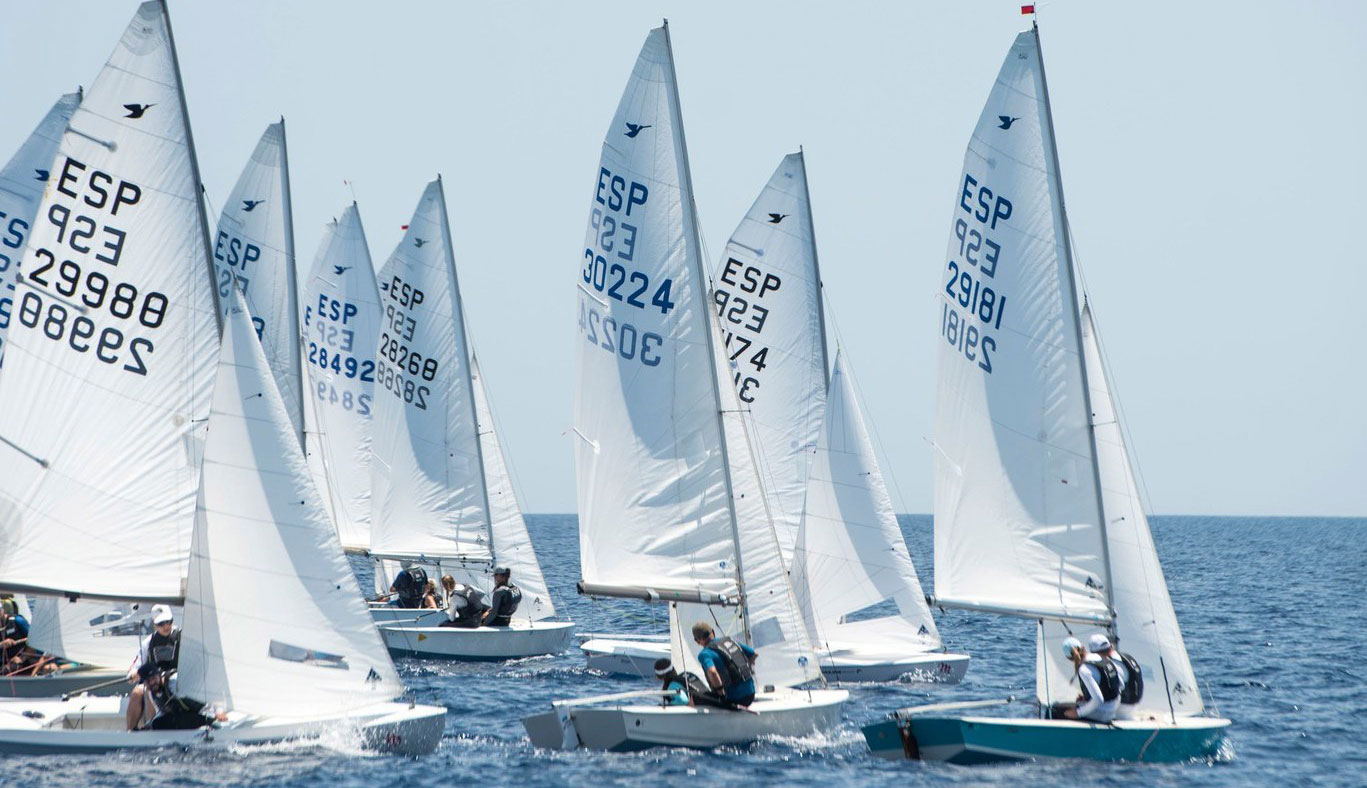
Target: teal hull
(973, 740)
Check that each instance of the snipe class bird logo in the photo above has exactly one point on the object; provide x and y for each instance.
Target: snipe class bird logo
(418, 242)
(341, 269)
(41, 176)
(250, 205)
(135, 111)
(775, 218)
(636, 128)
(1006, 121)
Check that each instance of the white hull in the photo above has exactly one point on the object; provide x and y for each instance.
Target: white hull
(71, 680)
(637, 658)
(786, 712)
(521, 639)
(408, 616)
(88, 724)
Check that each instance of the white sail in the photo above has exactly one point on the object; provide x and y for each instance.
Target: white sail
(254, 246)
(274, 622)
(1017, 515)
(111, 352)
(653, 509)
(21, 188)
(767, 292)
(107, 634)
(512, 544)
(428, 494)
(853, 575)
(1145, 624)
(341, 323)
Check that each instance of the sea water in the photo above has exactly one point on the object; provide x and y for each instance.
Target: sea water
(1272, 610)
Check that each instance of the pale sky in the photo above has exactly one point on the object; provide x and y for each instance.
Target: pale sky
(1211, 153)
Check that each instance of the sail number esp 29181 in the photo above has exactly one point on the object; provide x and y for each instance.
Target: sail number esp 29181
(971, 273)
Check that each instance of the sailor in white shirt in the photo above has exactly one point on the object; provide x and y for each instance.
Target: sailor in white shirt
(1101, 646)
(1099, 681)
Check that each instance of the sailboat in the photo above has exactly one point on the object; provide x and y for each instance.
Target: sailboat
(341, 324)
(104, 408)
(1037, 513)
(276, 637)
(671, 508)
(856, 569)
(441, 494)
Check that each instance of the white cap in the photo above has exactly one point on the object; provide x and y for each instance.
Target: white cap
(1098, 643)
(161, 614)
(1070, 643)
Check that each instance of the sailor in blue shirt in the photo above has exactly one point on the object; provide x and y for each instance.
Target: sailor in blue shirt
(727, 665)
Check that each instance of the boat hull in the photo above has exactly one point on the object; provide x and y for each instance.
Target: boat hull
(90, 724)
(68, 681)
(974, 740)
(522, 639)
(636, 658)
(625, 728)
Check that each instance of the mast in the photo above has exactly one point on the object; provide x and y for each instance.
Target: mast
(816, 269)
(194, 168)
(464, 337)
(692, 222)
(290, 273)
(1056, 184)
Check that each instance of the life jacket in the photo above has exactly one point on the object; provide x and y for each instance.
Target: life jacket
(1108, 678)
(164, 650)
(736, 662)
(693, 686)
(510, 601)
(1133, 690)
(411, 584)
(11, 630)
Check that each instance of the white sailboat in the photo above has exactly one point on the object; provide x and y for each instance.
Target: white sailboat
(341, 324)
(670, 505)
(437, 468)
(768, 296)
(276, 637)
(254, 248)
(1037, 513)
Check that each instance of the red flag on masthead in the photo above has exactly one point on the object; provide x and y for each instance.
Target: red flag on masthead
(1027, 9)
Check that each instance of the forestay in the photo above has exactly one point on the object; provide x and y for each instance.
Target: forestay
(341, 317)
(512, 544)
(767, 291)
(428, 480)
(1017, 520)
(851, 570)
(21, 188)
(254, 246)
(652, 484)
(274, 622)
(110, 355)
(1145, 624)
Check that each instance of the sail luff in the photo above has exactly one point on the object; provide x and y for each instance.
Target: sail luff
(292, 277)
(693, 232)
(816, 265)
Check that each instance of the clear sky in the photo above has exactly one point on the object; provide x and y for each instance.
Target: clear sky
(1212, 156)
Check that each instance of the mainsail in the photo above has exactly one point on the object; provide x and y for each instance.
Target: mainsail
(274, 622)
(851, 558)
(110, 355)
(254, 247)
(21, 188)
(341, 318)
(767, 291)
(429, 497)
(1018, 526)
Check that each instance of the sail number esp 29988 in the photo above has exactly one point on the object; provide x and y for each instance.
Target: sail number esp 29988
(971, 271)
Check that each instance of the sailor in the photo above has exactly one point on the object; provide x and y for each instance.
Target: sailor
(13, 640)
(1099, 681)
(167, 710)
(160, 653)
(464, 604)
(1131, 675)
(429, 596)
(727, 664)
(409, 584)
(671, 681)
(504, 601)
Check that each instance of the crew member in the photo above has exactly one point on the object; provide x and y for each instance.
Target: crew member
(1131, 675)
(504, 601)
(160, 653)
(464, 604)
(13, 640)
(168, 711)
(1100, 685)
(409, 584)
(727, 665)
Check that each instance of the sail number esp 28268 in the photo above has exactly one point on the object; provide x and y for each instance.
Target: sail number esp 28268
(609, 269)
(971, 307)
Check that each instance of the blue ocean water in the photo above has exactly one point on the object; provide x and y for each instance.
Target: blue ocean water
(1271, 609)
